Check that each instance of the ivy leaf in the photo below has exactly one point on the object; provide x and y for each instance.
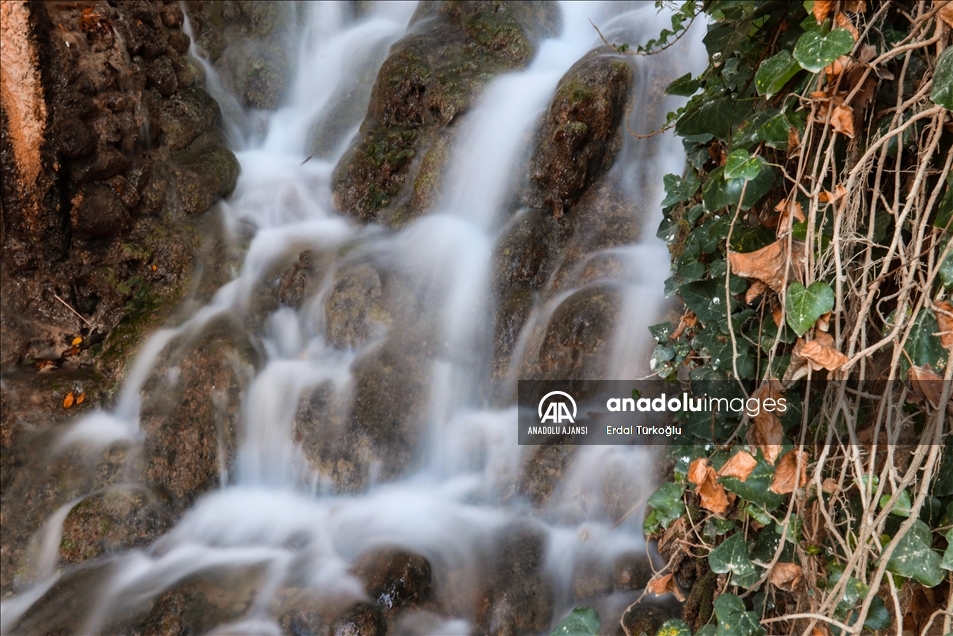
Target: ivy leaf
(814, 51)
(944, 215)
(774, 73)
(583, 621)
(854, 590)
(942, 91)
(804, 305)
(877, 616)
(684, 86)
(707, 116)
(674, 627)
(707, 299)
(678, 189)
(741, 165)
(947, 562)
(732, 556)
(913, 558)
(923, 347)
(667, 506)
(733, 620)
(756, 489)
(719, 192)
(901, 507)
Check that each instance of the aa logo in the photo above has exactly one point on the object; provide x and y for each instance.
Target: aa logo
(557, 410)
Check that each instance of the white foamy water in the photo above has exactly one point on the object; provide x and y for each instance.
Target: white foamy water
(280, 518)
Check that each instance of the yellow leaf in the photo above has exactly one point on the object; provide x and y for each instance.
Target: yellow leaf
(77, 340)
(68, 400)
(81, 398)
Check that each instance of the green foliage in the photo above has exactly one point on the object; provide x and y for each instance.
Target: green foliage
(775, 72)
(804, 305)
(815, 51)
(583, 621)
(666, 506)
(914, 558)
(732, 557)
(734, 619)
(942, 91)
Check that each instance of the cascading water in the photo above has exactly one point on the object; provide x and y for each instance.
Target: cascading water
(279, 521)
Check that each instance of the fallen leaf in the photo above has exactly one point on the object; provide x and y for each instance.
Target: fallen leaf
(822, 357)
(68, 400)
(787, 576)
(77, 340)
(766, 433)
(663, 585)
(844, 22)
(842, 120)
(698, 471)
(786, 476)
(81, 398)
(794, 139)
(829, 486)
(945, 13)
(944, 318)
(675, 531)
(711, 493)
(926, 383)
(767, 265)
(822, 9)
(756, 290)
(739, 466)
(838, 66)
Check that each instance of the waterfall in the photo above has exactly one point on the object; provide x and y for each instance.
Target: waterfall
(279, 520)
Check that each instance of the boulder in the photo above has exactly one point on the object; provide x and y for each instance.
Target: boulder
(431, 76)
(396, 579)
(580, 134)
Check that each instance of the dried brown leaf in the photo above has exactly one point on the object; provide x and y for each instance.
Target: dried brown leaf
(944, 318)
(711, 493)
(662, 585)
(822, 9)
(820, 630)
(766, 433)
(842, 119)
(838, 66)
(739, 466)
(926, 383)
(787, 576)
(829, 486)
(844, 22)
(787, 477)
(945, 13)
(822, 357)
(698, 471)
(824, 322)
(767, 264)
(756, 290)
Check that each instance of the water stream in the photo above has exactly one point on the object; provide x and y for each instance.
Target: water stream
(278, 517)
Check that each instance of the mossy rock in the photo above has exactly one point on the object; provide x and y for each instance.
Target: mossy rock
(431, 77)
(580, 134)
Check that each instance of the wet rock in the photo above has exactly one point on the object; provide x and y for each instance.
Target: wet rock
(644, 618)
(632, 571)
(198, 605)
(76, 139)
(204, 172)
(519, 599)
(186, 116)
(179, 42)
(161, 74)
(542, 471)
(395, 579)
(580, 135)
(105, 162)
(391, 391)
(575, 343)
(361, 619)
(514, 310)
(354, 308)
(98, 211)
(300, 612)
(431, 76)
(109, 522)
(191, 423)
(69, 602)
(297, 282)
(430, 176)
(260, 72)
